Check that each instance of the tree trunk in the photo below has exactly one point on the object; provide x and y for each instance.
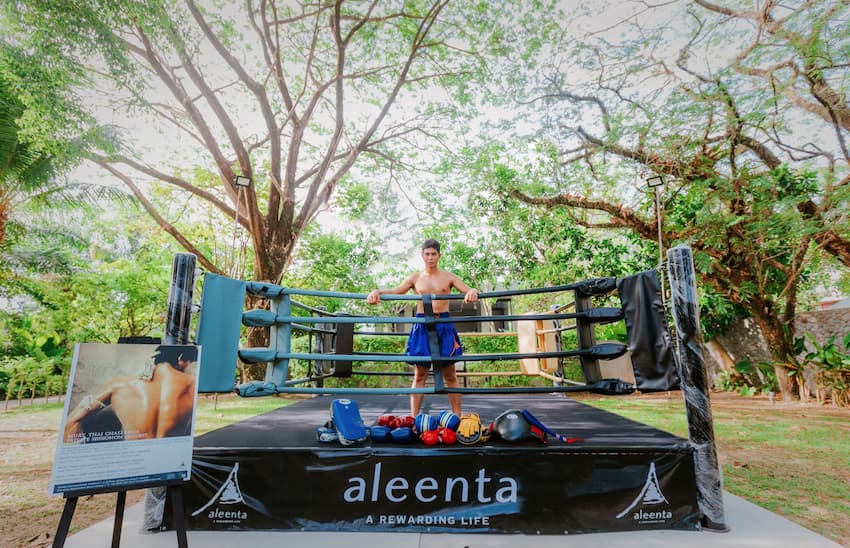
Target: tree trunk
(258, 337)
(780, 348)
(787, 383)
(4, 216)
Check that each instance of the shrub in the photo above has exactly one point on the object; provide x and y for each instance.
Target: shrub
(832, 370)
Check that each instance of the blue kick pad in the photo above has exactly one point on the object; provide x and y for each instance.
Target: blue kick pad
(349, 425)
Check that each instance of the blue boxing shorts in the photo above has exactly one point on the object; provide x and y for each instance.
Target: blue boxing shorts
(417, 343)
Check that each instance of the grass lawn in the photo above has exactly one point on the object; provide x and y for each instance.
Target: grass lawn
(790, 458)
(214, 412)
(793, 459)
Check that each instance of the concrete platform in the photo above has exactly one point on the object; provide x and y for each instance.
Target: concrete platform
(751, 527)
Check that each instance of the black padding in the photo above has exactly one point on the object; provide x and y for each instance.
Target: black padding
(344, 345)
(595, 286)
(611, 387)
(602, 315)
(649, 337)
(139, 340)
(604, 351)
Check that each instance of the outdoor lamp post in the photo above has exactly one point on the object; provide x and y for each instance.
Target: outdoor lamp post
(241, 183)
(655, 182)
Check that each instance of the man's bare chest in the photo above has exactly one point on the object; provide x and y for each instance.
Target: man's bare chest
(435, 285)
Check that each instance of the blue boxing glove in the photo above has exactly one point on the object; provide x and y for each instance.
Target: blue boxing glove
(425, 423)
(381, 434)
(449, 420)
(402, 435)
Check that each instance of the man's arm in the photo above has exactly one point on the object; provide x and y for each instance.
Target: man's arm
(374, 296)
(88, 406)
(470, 294)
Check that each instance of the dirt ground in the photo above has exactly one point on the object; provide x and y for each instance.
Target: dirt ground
(30, 516)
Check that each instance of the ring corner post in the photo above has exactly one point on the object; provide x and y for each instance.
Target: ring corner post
(178, 322)
(180, 291)
(586, 337)
(695, 387)
(280, 340)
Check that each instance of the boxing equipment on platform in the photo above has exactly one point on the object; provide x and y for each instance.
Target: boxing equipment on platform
(425, 423)
(430, 437)
(470, 430)
(447, 436)
(405, 422)
(327, 433)
(535, 422)
(345, 415)
(512, 425)
(380, 434)
(385, 420)
(403, 434)
(449, 419)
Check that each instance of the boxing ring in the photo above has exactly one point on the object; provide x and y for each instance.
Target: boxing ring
(272, 472)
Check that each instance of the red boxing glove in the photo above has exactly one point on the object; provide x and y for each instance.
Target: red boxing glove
(385, 420)
(430, 437)
(395, 423)
(447, 436)
(407, 421)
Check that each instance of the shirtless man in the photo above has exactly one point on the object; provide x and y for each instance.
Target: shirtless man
(431, 280)
(156, 403)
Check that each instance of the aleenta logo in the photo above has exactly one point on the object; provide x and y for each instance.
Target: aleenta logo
(228, 493)
(479, 488)
(650, 494)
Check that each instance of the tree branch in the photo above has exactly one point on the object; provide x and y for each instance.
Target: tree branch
(165, 225)
(197, 118)
(314, 198)
(103, 161)
(621, 216)
(255, 87)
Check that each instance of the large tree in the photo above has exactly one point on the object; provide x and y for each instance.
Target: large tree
(746, 119)
(287, 94)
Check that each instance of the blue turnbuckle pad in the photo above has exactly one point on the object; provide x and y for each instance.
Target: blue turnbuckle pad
(256, 388)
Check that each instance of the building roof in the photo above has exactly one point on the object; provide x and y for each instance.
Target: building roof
(835, 302)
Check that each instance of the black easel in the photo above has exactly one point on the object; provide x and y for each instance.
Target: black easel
(175, 491)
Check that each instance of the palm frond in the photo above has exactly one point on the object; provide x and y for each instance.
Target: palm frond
(59, 195)
(57, 236)
(23, 260)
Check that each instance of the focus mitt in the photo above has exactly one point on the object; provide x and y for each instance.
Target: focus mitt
(470, 430)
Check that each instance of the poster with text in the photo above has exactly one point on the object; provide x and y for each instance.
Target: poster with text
(128, 418)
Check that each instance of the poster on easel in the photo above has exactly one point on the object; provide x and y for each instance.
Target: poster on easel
(129, 417)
